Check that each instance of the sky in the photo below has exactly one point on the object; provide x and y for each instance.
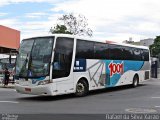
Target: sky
(115, 20)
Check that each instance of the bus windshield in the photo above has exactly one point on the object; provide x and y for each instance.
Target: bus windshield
(34, 57)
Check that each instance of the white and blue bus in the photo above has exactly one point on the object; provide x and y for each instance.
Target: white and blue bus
(63, 64)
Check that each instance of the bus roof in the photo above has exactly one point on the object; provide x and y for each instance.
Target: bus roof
(89, 39)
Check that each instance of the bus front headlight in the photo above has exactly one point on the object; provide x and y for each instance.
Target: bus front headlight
(44, 82)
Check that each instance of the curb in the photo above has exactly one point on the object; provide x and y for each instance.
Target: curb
(9, 86)
(155, 79)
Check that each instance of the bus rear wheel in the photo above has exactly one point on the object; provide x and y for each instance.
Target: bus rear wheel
(81, 88)
(135, 81)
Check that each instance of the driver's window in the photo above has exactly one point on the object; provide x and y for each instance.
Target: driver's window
(62, 57)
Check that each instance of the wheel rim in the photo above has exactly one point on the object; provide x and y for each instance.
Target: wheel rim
(80, 88)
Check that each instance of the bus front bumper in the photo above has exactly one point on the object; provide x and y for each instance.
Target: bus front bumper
(49, 89)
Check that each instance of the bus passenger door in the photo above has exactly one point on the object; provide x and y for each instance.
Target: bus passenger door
(61, 65)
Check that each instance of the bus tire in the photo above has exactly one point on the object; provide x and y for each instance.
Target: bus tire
(82, 88)
(135, 81)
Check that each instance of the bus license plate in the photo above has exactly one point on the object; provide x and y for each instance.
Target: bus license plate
(28, 89)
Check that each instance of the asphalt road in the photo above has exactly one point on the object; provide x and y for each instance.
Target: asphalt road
(142, 99)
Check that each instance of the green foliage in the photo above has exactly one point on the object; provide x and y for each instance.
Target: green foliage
(76, 25)
(155, 48)
(60, 29)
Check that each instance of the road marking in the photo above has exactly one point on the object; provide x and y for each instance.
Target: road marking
(155, 97)
(157, 106)
(140, 110)
(9, 102)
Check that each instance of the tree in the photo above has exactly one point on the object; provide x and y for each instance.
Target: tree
(74, 25)
(60, 29)
(155, 47)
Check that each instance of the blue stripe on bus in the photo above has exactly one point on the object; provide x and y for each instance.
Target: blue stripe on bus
(37, 79)
(111, 78)
(127, 65)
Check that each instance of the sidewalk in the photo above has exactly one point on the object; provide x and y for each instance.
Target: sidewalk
(10, 85)
(155, 78)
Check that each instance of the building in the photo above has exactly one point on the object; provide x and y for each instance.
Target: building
(143, 42)
(9, 39)
(147, 42)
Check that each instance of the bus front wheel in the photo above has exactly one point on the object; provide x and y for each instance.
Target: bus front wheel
(81, 88)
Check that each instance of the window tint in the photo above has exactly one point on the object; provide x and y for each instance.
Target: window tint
(62, 57)
(137, 54)
(95, 50)
(145, 54)
(115, 52)
(127, 53)
(40, 57)
(100, 51)
(85, 49)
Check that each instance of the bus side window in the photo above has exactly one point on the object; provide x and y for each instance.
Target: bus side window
(145, 54)
(59, 61)
(137, 54)
(127, 53)
(100, 51)
(142, 53)
(85, 49)
(62, 57)
(115, 52)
